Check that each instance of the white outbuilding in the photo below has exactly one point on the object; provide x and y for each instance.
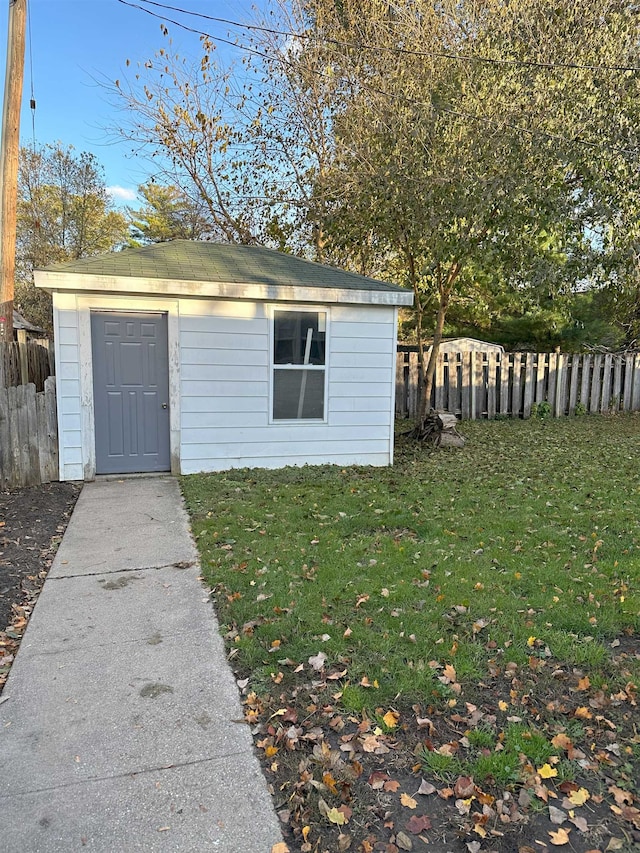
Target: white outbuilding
(193, 356)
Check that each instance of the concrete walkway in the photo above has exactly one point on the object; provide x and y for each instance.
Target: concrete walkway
(121, 727)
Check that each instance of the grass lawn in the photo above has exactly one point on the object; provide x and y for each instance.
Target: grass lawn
(495, 588)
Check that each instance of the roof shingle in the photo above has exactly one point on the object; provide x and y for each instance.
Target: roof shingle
(187, 260)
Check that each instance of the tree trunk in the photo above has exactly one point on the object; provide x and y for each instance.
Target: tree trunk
(445, 289)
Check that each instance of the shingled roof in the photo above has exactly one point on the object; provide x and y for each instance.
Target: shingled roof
(192, 261)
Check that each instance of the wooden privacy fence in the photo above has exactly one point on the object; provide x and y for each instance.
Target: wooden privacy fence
(485, 385)
(22, 363)
(28, 435)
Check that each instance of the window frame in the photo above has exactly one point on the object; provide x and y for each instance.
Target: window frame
(299, 309)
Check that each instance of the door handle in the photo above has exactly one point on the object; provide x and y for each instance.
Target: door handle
(164, 405)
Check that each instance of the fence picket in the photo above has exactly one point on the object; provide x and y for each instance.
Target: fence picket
(596, 384)
(516, 398)
(22, 363)
(635, 397)
(28, 435)
(616, 402)
(477, 384)
(492, 379)
(551, 381)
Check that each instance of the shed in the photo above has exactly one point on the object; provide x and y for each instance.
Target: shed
(194, 356)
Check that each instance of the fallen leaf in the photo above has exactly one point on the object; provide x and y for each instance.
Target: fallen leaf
(408, 801)
(318, 661)
(426, 788)
(582, 713)
(621, 796)
(556, 815)
(449, 672)
(560, 837)
(547, 771)
(418, 824)
(377, 779)
(336, 816)
(562, 741)
(344, 842)
(403, 841)
(580, 823)
(390, 719)
(280, 847)
(474, 846)
(579, 797)
(464, 787)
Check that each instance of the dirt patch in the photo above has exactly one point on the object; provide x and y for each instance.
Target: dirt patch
(348, 782)
(32, 522)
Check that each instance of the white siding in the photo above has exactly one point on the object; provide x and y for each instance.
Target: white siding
(220, 380)
(67, 343)
(225, 381)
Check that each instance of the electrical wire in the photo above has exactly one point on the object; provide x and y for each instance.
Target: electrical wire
(32, 102)
(400, 51)
(390, 95)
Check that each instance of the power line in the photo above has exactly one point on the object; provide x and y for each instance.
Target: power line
(32, 101)
(459, 57)
(390, 95)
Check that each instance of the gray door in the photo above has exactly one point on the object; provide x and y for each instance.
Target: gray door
(130, 392)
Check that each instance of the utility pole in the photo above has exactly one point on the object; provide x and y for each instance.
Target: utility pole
(9, 152)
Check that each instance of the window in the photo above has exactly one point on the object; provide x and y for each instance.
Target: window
(299, 365)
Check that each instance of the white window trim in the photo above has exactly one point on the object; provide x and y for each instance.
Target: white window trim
(311, 309)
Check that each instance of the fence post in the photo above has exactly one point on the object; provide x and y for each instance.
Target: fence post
(51, 434)
(5, 438)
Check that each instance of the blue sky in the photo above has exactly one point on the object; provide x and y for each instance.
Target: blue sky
(74, 44)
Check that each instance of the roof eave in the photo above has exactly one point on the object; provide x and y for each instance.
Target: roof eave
(261, 292)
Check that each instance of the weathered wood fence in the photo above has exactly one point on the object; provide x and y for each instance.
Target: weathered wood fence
(22, 363)
(485, 385)
(28, 435)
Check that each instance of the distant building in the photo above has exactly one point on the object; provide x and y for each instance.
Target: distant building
(23, 329)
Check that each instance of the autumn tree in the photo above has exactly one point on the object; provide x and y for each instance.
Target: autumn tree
(249, 141)
(168, 213)
(64, 213)
(470, 150)
(484, 142)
